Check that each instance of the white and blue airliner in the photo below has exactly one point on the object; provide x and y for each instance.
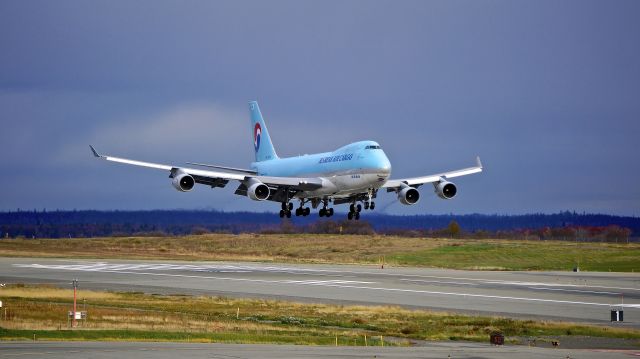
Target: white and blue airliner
(351, 174)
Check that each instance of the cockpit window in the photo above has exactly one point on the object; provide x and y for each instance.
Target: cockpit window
(372, 147)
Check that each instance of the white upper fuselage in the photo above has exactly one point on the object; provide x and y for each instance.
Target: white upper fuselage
(354, 168)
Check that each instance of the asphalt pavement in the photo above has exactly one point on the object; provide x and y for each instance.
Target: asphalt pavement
(143, 350)
(578, 297)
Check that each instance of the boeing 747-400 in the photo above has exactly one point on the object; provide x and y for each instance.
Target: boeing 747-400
(352, 174)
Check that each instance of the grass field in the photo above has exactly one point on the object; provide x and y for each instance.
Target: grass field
(426, 252)
(42, 310)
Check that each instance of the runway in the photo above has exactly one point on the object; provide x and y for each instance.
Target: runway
(578, 297)
(143, 350)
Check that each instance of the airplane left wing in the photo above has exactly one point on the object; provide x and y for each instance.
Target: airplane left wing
(417, 181)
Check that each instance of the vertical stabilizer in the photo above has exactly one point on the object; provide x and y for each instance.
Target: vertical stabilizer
(261, 139)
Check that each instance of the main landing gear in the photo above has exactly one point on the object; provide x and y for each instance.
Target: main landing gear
(354, 210)
(302, 211)
(324, 211)
(286, 209)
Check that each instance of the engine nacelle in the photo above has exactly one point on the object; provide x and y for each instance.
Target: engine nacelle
(257, 190)
(183, 182)
(446, 190)
(408, 196)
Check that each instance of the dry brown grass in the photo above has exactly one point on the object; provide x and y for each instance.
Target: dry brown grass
(253, 247)
(45, 308)
(310, 248)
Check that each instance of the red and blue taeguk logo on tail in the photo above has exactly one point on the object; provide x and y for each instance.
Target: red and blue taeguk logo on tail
(257, 131)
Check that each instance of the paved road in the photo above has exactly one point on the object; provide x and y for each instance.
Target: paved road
(99, 350)
(580, 297)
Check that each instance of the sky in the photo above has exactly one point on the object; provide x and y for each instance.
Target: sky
(546, 92)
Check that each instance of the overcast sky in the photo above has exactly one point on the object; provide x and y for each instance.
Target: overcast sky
(546, 92)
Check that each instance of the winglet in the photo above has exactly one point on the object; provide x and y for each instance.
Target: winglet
(478, 162)
(95, 153)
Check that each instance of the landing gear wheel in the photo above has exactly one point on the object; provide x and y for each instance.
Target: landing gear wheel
(359, 208)
(282, 213)
(322, 212)
(298, 211)
(357, 216)
(372, 206)
(290, 206)
(288, 214)
(366, 205)
(352, 208)
(330, 212)
(307, 211)
(350, 215)
(283, 206)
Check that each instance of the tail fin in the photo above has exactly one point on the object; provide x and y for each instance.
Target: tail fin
(261, 139)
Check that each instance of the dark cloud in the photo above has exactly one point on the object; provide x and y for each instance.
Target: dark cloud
(546, 92)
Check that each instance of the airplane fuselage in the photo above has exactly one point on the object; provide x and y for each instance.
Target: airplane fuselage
(356, 167)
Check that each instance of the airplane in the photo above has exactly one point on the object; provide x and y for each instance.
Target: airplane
(351, 174)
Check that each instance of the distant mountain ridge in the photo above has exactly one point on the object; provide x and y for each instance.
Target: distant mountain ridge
(91, 223)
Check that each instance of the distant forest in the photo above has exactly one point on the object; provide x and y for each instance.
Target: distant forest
(564, 225)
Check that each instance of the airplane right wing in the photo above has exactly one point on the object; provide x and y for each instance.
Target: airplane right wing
(394, 184)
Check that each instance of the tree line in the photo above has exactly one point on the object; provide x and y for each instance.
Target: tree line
(90, 223)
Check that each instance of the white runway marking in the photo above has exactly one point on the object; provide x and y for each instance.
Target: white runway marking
(120, 269)
(104, 266)
(101, 266)
(576, 290)
(437, 281)
(334, 273)
(516, 283)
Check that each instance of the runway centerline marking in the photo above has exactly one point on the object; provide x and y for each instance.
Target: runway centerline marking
(337, 285)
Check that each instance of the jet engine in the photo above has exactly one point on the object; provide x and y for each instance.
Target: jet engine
(183, 182)
(445, 189)
(408, 195)
(257, 190)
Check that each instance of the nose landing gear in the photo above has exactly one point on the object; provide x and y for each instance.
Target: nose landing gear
(369, 203)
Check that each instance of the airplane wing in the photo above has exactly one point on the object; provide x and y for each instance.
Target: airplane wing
(417, 181)
(231, 169)
(221, 178)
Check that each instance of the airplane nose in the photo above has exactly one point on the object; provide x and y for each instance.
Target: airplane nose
(385, 165)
